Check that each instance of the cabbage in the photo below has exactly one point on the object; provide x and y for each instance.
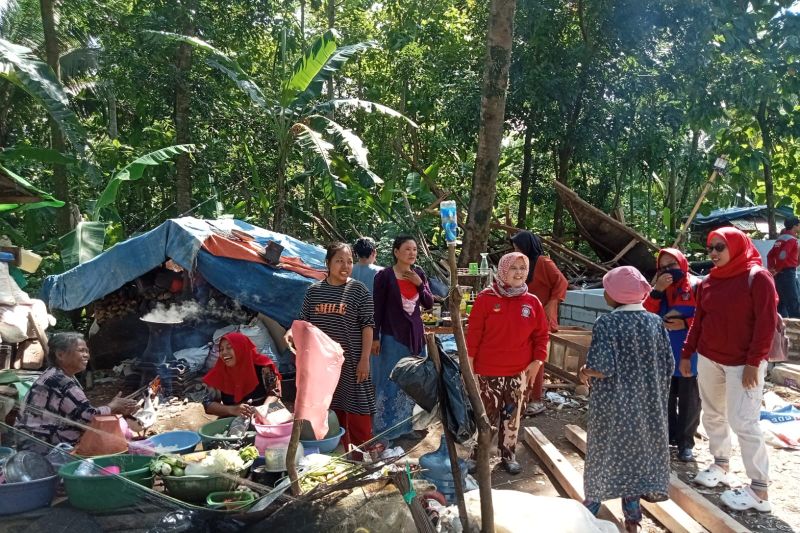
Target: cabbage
(217, 462)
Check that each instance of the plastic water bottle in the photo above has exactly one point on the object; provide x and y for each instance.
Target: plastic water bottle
(484, 269)
(86, 468)
(447, 210)
(240, 424)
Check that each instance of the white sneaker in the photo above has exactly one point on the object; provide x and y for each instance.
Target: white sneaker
(744, 499)
(714, 475)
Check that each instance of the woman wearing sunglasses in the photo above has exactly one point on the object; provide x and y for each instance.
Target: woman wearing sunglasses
(732, 333)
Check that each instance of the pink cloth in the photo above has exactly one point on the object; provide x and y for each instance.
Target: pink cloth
(501, 286)
(626, 285)
(319, 364)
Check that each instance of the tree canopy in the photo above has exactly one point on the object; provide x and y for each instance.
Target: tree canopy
(335, 120)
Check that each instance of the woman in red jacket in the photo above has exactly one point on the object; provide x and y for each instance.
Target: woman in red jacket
(507, 345)
(732, 332)
(546, 282)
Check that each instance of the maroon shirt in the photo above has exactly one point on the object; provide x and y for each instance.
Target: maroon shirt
(734, 323)
(390, 319)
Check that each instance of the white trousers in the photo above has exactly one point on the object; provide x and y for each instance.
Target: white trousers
(728, 405)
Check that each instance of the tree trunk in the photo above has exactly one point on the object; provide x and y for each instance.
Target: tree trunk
(493, 106)
(525, 178)
(183, 168)
(562, 176)
(330, 11)
(113, 131)
(766, 141)
(57, 143)
(280, 185)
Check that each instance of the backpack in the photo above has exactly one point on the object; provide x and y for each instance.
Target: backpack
(779, 351)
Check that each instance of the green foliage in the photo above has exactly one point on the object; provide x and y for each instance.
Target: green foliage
(134, 171)
(83, 243)
(20, 66)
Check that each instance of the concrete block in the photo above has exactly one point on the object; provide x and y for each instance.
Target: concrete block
(595, 301)
(574, 298)
(564, 312)
(584, 315)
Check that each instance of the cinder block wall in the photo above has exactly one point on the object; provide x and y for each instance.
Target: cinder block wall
(581, 308)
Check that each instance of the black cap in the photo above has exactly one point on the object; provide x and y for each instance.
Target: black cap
(791, 222)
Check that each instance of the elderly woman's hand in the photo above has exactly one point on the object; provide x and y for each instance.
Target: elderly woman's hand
(123, 406)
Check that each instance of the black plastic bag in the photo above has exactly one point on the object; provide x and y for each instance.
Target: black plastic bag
(417, 377)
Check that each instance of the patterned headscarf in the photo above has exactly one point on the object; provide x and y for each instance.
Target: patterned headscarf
(500, 285)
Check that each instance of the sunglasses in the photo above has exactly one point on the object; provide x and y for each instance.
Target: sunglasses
(719, 247)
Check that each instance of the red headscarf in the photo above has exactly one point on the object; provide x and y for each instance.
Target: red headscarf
(240, 379)
(743, 253)
(683, 265)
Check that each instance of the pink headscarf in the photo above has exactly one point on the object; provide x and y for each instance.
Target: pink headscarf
(500, 285)
(626, 285)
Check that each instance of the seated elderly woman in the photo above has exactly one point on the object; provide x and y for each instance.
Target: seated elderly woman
(56, 409)
(241, 379)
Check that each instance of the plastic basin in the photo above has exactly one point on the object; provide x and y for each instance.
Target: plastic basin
(209, 431)
(26, 496)
(274, 430)
(175, 442)
(324, 445)
(102, 493)
(230, 501)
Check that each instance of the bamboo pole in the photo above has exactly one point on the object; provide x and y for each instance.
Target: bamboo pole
(291, 452)
(719, 166)
(433, 353)
(484, 428)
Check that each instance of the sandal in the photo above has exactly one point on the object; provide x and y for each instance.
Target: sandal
(534, 408)
(714, 475)
(744, 499)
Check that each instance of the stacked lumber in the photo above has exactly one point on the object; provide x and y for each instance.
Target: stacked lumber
(686, 511)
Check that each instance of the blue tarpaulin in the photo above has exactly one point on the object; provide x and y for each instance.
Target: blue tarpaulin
(275, 292)
(727, 215)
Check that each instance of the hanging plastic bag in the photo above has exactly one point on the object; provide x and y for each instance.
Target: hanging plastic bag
(416, 376)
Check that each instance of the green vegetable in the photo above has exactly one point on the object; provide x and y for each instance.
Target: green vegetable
(178, 471)
(165, 465)
(248, 453)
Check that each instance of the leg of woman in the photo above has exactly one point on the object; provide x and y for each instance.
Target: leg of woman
(345, 423)
(632, 511)
(492, 397)
(672, 411)
(743, 412)
(508, 424)
(393, 406)
(688, 412)
(711, 379)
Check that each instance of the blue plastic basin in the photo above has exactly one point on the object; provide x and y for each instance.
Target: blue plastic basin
(324, 445)
(26, 496)
(181, 441)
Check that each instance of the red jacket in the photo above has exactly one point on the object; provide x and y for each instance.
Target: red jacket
(734, 323)
(505, 335)
(784, 253)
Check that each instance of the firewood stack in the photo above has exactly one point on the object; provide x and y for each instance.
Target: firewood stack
(793, 332)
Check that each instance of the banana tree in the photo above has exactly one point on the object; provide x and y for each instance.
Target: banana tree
(298, 120)
(88, 238)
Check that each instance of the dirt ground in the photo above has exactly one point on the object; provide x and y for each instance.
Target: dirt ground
(534, 479)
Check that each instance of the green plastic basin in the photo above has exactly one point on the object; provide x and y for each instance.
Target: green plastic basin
(219, 427)
(103, 493)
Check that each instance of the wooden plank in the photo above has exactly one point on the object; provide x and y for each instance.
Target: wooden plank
(786, 374)
(561, 374)
(670, 513)
(705, 512)
(570, 479)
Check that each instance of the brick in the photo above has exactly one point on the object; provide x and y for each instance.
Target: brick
(595, 301)
(574, 298)
(584, 315)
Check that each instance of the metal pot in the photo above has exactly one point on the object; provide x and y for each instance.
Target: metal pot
(27, 466)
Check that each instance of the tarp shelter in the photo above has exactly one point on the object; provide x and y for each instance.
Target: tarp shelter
(16, 192)
(747, 219)
(276, 292)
